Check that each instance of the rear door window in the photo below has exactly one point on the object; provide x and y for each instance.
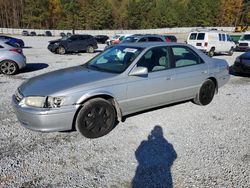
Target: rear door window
(201, 36)
(193, 36)
(223, 37)
(1, 46)
(144, 39)
(184, 56)
(154, 39)
(220, 37)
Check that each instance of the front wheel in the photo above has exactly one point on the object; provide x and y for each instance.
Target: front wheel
(90, 49)
(96, 118)
(8, 67)
(206, 93)
(61, 50)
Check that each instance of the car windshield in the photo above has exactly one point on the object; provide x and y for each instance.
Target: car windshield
(114, 60)
(245, 37)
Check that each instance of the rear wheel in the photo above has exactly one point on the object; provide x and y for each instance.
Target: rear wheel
(211, 52)
(206, 93)
(61, 50)
(90, 49)
(8, 67)
(231, 51)
(96, 118)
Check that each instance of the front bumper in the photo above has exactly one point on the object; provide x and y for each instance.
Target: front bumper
(242, 48)
(45, 120)
(52, 47)
(241, 68)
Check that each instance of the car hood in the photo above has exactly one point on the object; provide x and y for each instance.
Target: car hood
(54, 41)
(63, 80)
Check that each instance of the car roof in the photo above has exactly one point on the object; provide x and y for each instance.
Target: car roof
(151, 44)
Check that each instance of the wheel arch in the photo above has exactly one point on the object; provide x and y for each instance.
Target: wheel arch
(105, 96)
(215, 82)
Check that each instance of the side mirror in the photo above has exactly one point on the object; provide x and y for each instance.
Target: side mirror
(139, 71)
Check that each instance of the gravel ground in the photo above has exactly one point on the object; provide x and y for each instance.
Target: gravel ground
(184, 145)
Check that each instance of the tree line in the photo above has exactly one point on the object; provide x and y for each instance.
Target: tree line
(122, 14)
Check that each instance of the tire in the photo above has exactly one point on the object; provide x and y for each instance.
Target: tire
(8, 67)
(61, 50)
(211, 52)
(206, 93)
(231, 51)
(96, 118)
(90, 49)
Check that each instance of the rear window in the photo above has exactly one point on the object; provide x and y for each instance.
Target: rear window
(193, 36)
(201, 36)
(11, 44)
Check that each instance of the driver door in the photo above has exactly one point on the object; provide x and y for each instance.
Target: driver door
(155, 89)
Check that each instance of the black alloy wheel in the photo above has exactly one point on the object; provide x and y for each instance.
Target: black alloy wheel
(206, 93)
(96, 118)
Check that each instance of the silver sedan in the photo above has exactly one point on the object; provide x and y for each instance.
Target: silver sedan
(11, 58)
(125, 79)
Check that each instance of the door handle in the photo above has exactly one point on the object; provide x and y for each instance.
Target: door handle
(204, 72)
(169, 78)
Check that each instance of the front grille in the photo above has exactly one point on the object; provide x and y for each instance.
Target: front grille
(18, 95)
(243, 44)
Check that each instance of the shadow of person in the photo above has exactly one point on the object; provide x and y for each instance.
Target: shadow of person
(155, 157)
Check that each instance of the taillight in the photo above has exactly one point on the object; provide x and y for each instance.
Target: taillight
(206, 44)
(167, 39)
(16, 50)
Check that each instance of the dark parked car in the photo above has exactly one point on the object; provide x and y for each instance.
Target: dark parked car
(101, 38)
(48, 33)
(74, 43)
(25, 33)
(18, 42)
(32, 33)
(242, 63)
(170, 38)
(141, 38)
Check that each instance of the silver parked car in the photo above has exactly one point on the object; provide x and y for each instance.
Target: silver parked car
(11, 58)
(121, 80)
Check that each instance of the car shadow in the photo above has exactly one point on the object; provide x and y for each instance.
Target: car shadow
(155, 158)
(232, 72)
(30, 67)
(153, 109)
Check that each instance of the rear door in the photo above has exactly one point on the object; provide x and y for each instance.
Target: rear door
(72, 43)
(83, 42)
(190, 72)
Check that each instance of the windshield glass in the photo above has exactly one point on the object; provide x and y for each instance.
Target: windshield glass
(114, 60)
(245, 37)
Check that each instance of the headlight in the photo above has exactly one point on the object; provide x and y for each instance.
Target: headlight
(42, 102)
(237, 59)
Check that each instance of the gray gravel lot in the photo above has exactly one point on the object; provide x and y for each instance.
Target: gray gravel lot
(184, 145)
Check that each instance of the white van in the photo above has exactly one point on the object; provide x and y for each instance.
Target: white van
(211, 42)
(244, 42)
